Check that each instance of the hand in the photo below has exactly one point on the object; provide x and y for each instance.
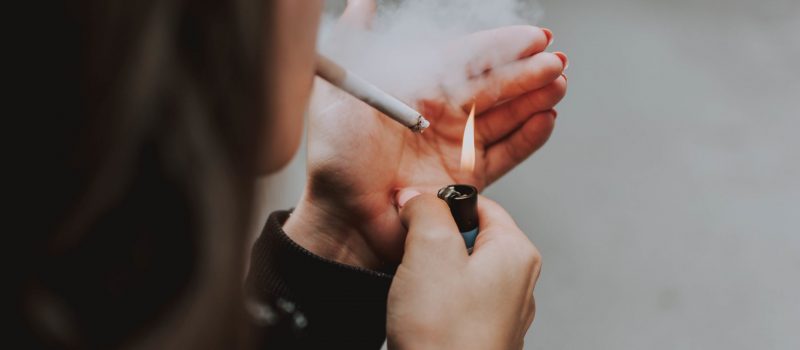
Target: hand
(442, 298)
(358, 159)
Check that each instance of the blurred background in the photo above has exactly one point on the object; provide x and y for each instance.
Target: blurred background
(667, 202)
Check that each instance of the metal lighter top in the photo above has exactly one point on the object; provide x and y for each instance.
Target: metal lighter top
(463, 203)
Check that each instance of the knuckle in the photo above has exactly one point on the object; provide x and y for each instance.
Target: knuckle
(530, 139)
(534, 100)
(529, 255)
(533, 255)
(514, 153)
(487, 130)
(514, 109)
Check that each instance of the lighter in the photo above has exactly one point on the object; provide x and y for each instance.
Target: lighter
(463, 203)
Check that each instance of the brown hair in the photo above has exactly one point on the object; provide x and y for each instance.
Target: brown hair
(151, 156)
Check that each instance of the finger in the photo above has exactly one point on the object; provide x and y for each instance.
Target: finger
(531, 309)
(501, 241)
(493, 219)
(358, 14)
(498, 233)
(507, 153)
(508, 81)
(432, 232)
(487, 49)
(496, 123)
(495, 226)
(530, 313)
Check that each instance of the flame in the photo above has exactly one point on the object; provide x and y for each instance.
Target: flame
(468, 144)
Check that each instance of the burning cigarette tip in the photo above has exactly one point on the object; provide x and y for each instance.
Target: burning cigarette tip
(421, 125)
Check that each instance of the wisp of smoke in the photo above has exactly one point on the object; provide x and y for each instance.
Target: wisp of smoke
(405, 50)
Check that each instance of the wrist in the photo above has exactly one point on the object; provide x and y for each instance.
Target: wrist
(328, 234)
(424, 339)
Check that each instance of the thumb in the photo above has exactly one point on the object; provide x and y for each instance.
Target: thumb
(432, 232)
(358, 14)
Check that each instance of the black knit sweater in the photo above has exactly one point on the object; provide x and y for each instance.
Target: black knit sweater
(300, 300)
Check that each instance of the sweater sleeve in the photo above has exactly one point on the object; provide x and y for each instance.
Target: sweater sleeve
(301, 300)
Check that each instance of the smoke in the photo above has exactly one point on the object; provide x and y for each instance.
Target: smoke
(410, 45)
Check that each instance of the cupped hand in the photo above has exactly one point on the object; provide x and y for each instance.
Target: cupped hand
(441, 298)
(358, 158)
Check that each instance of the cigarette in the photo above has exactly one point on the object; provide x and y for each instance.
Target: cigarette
(370, 94)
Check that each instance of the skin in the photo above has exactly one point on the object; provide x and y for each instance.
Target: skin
(369, 199)
(357, 159)
(295, 34)
(427, 305)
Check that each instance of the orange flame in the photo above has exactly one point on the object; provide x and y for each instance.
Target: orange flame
(468, 144)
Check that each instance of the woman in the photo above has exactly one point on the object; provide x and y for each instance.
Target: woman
(164, 114)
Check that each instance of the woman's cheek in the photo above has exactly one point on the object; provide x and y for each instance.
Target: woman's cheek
(290, 78)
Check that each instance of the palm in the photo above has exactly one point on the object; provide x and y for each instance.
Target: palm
(379, 155)
(358, 158)
(432, 159)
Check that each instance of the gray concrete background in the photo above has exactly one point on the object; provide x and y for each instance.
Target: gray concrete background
(667, 203)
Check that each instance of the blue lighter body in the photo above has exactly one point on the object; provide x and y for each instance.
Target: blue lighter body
(463, 203)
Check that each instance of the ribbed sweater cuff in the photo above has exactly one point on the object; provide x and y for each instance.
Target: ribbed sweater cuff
(343, 304)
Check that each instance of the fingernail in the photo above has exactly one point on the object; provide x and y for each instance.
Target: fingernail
(563, 58)
(549, 34)
(404, 195)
